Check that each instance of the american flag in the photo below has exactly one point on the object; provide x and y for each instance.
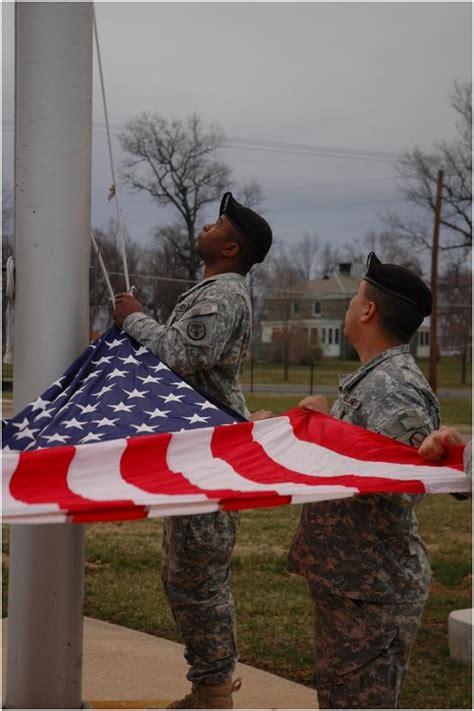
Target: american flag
(122, 436)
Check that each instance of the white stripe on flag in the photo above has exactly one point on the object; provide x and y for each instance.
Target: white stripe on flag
(201, 507)
(277, 438)
(191, 454)
(95, 474)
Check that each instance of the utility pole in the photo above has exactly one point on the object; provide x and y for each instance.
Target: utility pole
(53, 131)
(433, 374)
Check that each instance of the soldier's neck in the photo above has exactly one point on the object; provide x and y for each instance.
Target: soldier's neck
(373, 346)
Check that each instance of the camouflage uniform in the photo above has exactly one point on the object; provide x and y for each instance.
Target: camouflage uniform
(367, 568)
(206, 340)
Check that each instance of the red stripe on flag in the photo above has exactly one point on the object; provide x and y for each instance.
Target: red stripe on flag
(257, 502)
(41, 478)
(357, 442)
(108, 515)
(160, 479)
(237, 447)
(144, 465)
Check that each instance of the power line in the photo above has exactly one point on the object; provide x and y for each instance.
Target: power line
(330, 207)
(298, 209)
(306, 147)
(339, 182)
(315, 153)
(289, 147)
(310, 150)
(272, 190)
(277, 146)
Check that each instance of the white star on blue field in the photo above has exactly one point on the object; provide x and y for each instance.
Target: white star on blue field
(115, 389)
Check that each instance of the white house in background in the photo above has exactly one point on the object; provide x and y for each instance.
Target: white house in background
(327, 333)
(423, 339)
(315, 310)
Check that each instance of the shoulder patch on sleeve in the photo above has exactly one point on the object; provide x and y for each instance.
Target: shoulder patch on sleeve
(413, 420)
(196, 330)
(392, 427)
(409, 426)
(198, 326)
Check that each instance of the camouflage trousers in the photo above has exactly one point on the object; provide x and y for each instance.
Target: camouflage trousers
(195, 573)
(362, 650)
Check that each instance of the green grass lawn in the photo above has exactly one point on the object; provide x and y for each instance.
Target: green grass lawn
(328, 370)
(273, 608)
(454, 411)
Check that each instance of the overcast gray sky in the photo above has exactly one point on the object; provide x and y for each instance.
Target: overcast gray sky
(365, 76)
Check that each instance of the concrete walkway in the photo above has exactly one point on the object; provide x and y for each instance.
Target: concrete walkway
(124, 669)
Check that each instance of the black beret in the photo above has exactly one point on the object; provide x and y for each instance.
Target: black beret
(248, 223)
(399, 282)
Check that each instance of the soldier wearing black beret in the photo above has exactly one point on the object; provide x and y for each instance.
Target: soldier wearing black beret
(252, 228)
(367, 568)
(206, 340)
(411, 299)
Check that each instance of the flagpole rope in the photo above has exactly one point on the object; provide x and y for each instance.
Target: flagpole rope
(102, 266)
(9, 310)
(114, 191)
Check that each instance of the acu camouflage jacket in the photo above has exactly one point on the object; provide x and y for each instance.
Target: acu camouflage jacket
(368, 547)
(206, 338)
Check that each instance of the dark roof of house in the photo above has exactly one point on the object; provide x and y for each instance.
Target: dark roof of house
(336, 284)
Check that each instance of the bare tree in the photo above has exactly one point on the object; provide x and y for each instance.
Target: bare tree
(249, 194)
(177, 256)
(174, 162)
(281, 269)
(388, 248)
(304, 255)
(112, 256)
(417, 172)
(329, 259)
(455, 312)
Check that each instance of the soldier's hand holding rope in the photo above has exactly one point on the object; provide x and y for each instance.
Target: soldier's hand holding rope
(125, 304)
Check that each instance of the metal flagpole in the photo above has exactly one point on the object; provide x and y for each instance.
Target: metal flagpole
(53, 131)
(433, 363)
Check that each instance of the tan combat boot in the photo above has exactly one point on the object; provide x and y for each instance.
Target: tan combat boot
(217, 696)
(209, 696)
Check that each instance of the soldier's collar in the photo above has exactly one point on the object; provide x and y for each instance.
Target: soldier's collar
(348, 381)
(204, 282)
(224, 275)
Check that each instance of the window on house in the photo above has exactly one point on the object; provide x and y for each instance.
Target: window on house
(329, 335)
(336, 336)
(295, 307)
(323, 335)
(423, 338)
(317, 308)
